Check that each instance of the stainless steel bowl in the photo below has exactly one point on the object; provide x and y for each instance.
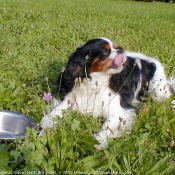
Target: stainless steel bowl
(13, 124)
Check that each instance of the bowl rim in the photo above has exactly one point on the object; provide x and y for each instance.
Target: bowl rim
(9, 136)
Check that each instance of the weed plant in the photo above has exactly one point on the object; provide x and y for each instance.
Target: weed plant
(36, 38)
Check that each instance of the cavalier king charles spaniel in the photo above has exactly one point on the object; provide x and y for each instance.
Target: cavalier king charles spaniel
(102, 79)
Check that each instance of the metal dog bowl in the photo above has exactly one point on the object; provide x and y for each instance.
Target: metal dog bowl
(13, 124)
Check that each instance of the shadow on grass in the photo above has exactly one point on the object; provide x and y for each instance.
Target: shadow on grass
(52, 72)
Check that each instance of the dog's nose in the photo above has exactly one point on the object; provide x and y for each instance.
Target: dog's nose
(120, 50)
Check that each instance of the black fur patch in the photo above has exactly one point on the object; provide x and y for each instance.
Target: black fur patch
(125, 83)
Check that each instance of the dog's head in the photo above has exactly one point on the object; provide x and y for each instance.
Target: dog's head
(104, 56)
(97, 55)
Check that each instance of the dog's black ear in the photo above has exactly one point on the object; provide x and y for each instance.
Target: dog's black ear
(77, 66)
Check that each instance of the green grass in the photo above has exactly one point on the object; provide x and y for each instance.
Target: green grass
(36, 38)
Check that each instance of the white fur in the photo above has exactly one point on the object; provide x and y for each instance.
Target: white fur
(89, 95)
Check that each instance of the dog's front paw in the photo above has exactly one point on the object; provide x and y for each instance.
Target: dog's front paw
(102, 139)
(47, 122)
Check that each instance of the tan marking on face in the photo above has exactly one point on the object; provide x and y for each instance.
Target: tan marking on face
(115, 46)
(107, 46)
(100, 66)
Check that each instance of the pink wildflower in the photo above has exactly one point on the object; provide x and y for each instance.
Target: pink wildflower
(72, 105)
(47, 96)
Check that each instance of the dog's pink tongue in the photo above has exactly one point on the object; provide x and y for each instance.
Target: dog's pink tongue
(118, 60)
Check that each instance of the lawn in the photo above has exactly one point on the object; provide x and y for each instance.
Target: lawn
(36, 38)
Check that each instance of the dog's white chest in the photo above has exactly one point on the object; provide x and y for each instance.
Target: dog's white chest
(91, 97)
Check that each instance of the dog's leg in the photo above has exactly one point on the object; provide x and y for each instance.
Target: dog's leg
(159, 86)
(171, 83)
(118, 121)
(48, 120)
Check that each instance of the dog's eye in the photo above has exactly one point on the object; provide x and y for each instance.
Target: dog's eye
(105, 53)
(102, 57)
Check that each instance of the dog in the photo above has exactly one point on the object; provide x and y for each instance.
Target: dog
(103, 79)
